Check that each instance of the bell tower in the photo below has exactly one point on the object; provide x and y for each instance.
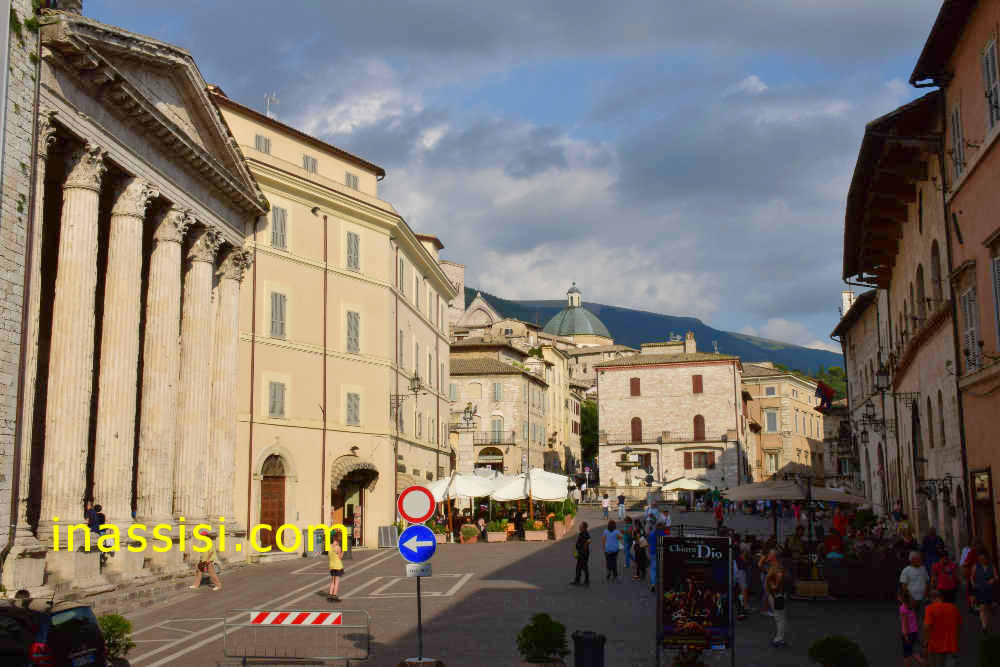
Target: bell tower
(573, 297)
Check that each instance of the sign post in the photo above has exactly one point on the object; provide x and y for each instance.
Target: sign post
(417, 544)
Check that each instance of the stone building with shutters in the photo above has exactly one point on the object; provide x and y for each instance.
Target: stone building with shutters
(343, 339)
(672, 412)
(142, 204)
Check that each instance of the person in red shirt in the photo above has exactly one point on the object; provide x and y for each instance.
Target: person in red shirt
(945, 577)
(718, 516)
(833, 542)
(839, 522)
(942, 623)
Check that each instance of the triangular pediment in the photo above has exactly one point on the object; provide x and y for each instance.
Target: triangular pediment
(158, 85)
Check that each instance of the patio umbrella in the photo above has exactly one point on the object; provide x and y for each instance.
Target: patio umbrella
(781, 489)
(538, 485)
(685, 484)
(458, 485)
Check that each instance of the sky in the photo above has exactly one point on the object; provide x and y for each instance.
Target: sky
(687, 158)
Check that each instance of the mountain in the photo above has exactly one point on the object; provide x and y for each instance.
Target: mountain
(632, 327)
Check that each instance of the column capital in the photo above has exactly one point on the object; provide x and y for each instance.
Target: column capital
(205, 242)
(173, 225)
(48, 131)
(235, 263)
(85, 167)
(132, 197)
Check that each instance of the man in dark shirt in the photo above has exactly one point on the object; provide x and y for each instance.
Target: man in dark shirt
(582, 553)
(621, 506)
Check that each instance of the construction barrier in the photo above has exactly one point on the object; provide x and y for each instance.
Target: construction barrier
(298, 634)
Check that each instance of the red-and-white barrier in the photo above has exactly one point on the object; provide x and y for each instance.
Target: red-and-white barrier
(296, 618)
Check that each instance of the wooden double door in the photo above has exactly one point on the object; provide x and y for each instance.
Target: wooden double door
(272, 508)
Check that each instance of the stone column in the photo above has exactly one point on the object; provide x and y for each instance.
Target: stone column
(193, 450)
(160, 370)
(117, 384)
(71, 362)
(47, 136)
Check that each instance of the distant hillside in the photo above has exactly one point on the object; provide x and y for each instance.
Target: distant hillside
(633, 327)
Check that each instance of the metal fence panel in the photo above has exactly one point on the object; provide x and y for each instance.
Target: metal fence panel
(298, 634)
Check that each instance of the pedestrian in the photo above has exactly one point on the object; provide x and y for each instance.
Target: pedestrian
(336, 566)
(944, 575)
(611, 538)
(775, 586)
(641, 557)
(984, 578)
(718, 518)
(908, 627)
(797, 510)
(968, 561)
(621, 505)
(666, 522)
(627, 541)
(914, 579)
(206, 565)
(356, 532)
(740, 580)
(765, 600)
(942, 623)
(654, 538)
(931, 548)
(582, 554)
(839, 521)
(605, 504)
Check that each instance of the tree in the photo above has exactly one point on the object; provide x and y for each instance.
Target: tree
(588, 431)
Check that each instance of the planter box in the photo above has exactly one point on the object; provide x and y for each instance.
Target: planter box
(570, 520)
(499, 536)
(470, 540)
(536, 535)
(441, 537)
(558, 529)
(811, 589)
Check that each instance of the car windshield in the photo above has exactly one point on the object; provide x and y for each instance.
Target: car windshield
(71, 621)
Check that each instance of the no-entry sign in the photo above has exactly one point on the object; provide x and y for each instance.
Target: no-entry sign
(415, 504)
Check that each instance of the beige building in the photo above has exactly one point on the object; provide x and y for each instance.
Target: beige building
(343, 339)
(791, 435)
(563, 429)
(671, 412)
(142, 205)
(582, 360)
(499, 411)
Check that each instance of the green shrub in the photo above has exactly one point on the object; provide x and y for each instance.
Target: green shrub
(117, 631)
(989, 650)
(439, 528)
(542, 639)
(468, 530)
(837, 651)
(497, 526)
(560, 517)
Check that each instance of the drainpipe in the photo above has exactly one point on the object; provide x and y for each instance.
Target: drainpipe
(395, 443)
(253, 356)
(326, 274)
(22, 361)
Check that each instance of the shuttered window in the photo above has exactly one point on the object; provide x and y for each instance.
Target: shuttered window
(351, 180)
(279, 223)
(696, 386)
(687, 461)
(416, 290)
(524, 431)
(957, 142)
(276, 399)
(354, 409)
(278, 303)
(453, 392)
(262, 143)
(699, 427)
(970, 331)
(309, 163)
(771, 417)
(991, 82)
(402, 277)
(497, 391)
(353, 251)
(995, 264)
(633, 387)
(402, 349)
(636, 429)
(416, 358)
(430, 369)
(353, 332)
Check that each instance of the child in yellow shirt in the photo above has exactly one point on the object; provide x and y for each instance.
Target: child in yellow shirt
(336, 566)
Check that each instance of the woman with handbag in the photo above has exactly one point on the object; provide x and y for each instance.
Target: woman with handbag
(206, 565)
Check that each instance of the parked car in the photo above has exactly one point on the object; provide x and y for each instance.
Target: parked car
(33, 632)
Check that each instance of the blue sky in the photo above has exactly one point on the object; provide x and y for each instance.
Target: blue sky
(684, 158)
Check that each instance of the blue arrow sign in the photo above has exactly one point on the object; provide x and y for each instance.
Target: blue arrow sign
(417, 544)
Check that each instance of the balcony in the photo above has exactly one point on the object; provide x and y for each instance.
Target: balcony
(493, 438)
(666, 438)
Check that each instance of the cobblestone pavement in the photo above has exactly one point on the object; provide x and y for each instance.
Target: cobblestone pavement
(478, 599)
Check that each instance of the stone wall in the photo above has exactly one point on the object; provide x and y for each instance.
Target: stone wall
(18, 172)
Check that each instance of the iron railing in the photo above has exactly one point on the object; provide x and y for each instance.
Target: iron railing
(494, 438)
(651, 439)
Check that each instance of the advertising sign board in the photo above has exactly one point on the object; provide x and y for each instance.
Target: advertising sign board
(694, 593)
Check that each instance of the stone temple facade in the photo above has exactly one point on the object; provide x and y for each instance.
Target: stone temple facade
(133, 269)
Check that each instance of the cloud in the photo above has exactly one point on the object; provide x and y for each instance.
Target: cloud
(751, 85)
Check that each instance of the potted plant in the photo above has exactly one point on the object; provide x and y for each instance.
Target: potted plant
(542, 642)
(117, 631)
(496, 531)
(470, 534)
(559, 525)
(837, 651)
(537, 532)
(440, 531)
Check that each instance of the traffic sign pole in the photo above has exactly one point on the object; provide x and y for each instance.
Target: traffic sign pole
(420, 626)
(417, 543)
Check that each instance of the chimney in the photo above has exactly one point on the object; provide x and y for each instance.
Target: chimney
(690, 347)
(846, 301)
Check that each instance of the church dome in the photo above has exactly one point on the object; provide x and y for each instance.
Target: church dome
(574, 319)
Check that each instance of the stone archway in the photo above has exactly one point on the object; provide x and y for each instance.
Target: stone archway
(272, 498)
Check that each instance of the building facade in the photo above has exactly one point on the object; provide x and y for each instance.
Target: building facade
(343, 340)
(671, 415)
(961, 58)
(143, 201)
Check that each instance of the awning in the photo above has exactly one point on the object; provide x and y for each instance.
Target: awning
(789, 490)
(490, 458)
(366, 472)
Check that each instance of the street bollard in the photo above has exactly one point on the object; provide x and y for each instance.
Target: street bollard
(588, 649)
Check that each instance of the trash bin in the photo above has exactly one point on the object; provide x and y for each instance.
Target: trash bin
(588, 649)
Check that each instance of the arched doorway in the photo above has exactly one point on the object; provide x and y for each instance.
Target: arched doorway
(350, 476)
(490, 457)
(272, 498)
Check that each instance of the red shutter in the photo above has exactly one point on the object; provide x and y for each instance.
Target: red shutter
(696, 384)
(636, 429)
(633, 386)
(687, 460)
(699, 427)
(711, 459)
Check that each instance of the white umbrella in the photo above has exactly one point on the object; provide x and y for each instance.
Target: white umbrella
(458, 485)
(685, 484)
(540, 485)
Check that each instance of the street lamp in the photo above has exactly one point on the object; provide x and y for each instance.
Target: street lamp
(882, 378)
(869, 410)
(864, 437)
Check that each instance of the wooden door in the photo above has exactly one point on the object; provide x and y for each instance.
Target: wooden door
(337, 506)
(636, 429)
(272, 507)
